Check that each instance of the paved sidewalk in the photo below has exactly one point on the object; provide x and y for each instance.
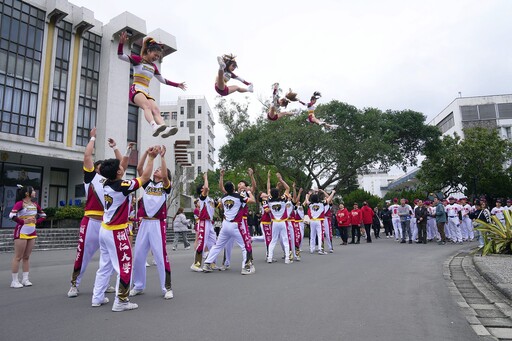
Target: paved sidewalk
(497, 269)
(488, 311)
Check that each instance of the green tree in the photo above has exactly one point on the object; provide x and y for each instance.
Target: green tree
(233, 115)
(410, 195)
(477, 164)
(358, 196)
(365, 139)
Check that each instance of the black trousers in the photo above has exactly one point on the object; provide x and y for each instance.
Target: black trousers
(368, 228)
(356, 231)
(343, 230)
(422, 232)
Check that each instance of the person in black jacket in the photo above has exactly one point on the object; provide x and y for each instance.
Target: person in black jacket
(421, 214)
(385, 215)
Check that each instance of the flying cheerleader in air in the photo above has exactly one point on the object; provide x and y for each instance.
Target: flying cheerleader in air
(228, 64)
(311, 111)
(274, 113)
(144, 68)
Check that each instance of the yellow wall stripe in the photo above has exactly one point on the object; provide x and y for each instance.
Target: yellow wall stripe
(74, 82)
(46, 81)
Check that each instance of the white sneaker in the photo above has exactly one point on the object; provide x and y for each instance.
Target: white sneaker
(269, 260)
(253, 269)
(105, 301)
(168, 294)
(122, 306)
(16, 284)
(331, 251)
(207, 267)
(73, 292)
(26, 283)
(222, 65)
(169, 131)
(187, 248)
(135, 292)
(196, 267)
(158, 129)
(110, 289)
(297, 258)
(250, 88)
(223, 267)
(147, 265)
(287, 261)
(246, 270)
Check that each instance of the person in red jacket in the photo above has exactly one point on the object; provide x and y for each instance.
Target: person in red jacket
(367, 217)
(343, 223)
(356, 221)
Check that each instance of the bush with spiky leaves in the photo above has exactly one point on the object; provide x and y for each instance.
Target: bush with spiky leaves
(497, 237)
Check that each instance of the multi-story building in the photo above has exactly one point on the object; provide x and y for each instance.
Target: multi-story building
(59, 77)
(193, 114)
(493, 112)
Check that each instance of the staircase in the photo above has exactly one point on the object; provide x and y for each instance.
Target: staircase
(61, 238)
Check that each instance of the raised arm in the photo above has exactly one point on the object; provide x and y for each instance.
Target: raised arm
(253, 180)
(306, 200)
(89, 149)
(240, 79)
(298, 196)
(163, 168)
(126, 157)
(268, 183)
(161, 79)
(250, 199)
(294, 197)
(123, 38)
(329, 198)
(286, 187)
(206, 189)
(112, 144)
(142, 161)
(221, 182)
(148, 170)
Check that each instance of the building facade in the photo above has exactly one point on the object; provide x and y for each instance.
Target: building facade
(193, 115)
(60, 77)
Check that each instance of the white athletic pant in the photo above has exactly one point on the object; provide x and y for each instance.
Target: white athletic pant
(397, 227)
(431, 228)
(150, 236)
(301, 225)
(228, 232)
(289, 226)
(327, 234)
(86, 248)
(315, 230)
(454, 227)
(414, 229)
(467, 228)
(279, 231)
(115, 253)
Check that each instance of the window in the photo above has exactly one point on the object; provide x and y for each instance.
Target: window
(199, 109)
(174, 115)
(199, 139)
(182, 110)
(21, 43)
(199, 170)
(199, 155)
(89, 79)
(58, 191)
(133, 123)
(447, 123)
(60, 82)
(182, 124)
(505, 110)
(199, 124)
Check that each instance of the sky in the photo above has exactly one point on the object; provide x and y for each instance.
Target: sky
(393, 54)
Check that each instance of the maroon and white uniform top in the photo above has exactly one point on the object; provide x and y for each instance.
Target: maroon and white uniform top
(93, 184)
(466, 210)
(498, 212)
(452, 210)
(206, 208)
(394, 211)
(21, 211)
(278, 208)
(154, 200)
(117, 202)
(143, 69)
(233, 204)
(316, 211)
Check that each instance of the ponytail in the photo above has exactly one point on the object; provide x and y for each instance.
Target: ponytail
(149, 45)
(23, 191)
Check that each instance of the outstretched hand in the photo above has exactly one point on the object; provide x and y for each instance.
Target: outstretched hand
(162, 151)
(111, 142)
(92, 133)
(123, 38)
(182, 86)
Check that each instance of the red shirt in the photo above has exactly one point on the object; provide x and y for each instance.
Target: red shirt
(355, 217)
(367, 213)
(343, 217)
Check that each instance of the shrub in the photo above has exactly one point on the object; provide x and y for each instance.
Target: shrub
(497, 237)
(50, 211)
(69, 212)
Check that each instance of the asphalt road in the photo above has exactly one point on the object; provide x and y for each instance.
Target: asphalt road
(379, 291)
